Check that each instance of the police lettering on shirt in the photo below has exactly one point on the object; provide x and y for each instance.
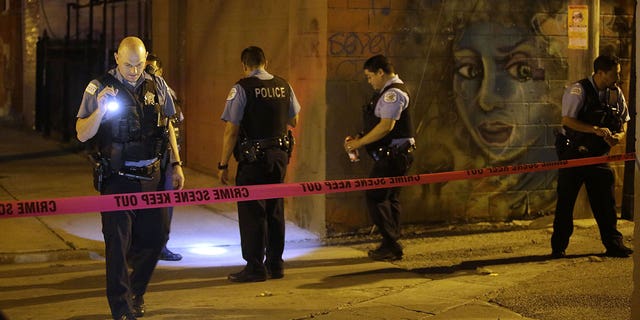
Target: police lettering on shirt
(270, 93)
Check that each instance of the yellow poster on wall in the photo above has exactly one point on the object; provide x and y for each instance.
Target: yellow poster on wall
(578, 26)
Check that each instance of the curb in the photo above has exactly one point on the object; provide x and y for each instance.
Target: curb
(48, 256)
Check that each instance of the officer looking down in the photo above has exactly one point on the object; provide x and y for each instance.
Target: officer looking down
(258, 111)
(388, 138)
(594, 118)
(124, 114)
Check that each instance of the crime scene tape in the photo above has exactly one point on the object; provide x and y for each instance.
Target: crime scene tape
(146, 200)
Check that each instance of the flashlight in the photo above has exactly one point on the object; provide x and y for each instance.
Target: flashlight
(113, 105)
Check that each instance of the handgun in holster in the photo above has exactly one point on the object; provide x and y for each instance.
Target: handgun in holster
(100, 170)
(291, 142)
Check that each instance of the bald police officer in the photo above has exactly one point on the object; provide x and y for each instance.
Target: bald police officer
(258, 112)
(389, 139)
(125, 114)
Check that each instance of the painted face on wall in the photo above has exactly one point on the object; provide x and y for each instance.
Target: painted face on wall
(500, 104)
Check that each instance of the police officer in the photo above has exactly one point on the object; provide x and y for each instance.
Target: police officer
(124, 113)
(594, 117)
(154, 67)
(258, 110)
(389, 139)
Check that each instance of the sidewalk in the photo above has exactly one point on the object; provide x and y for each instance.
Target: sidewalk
(325, 282)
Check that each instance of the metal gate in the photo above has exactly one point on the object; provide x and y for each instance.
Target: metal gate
(65, 66)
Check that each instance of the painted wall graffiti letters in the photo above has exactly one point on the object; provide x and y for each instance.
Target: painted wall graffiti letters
(348, 44)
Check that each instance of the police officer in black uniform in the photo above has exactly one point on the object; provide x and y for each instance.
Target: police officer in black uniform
(258, 111)
(389, 139)
(124, 114)
(594, 118)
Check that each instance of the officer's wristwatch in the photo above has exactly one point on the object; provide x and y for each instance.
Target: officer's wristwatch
(222, 167)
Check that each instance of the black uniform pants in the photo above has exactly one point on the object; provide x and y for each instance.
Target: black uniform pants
(133, 239)
(599, 182)
(262, 222)
(384, 204)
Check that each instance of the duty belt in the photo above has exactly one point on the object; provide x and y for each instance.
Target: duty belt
(263, 144)
(252, 150)
(392, 151)
(142, 173)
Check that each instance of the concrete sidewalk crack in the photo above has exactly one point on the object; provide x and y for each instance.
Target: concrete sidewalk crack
(68, 243)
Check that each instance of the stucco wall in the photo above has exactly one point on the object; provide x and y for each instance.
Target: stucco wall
(203, 53)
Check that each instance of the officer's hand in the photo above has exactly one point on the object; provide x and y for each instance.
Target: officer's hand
(612, 140)
(350, 144)
(104, 95)
(602, 132)
(178, 178)
(224, 176)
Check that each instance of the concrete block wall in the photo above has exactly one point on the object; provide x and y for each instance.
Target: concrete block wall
(486, 81)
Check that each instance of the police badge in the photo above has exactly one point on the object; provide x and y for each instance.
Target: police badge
(149, 98)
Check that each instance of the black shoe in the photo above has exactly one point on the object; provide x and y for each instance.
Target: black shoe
(619, 251)
(558, 254)
(275, 273)
(385, 254)
(247, 276)
(138, 306)
(167, 255)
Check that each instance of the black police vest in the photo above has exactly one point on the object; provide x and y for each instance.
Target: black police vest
(403, 128)
(267, 110)
(137, 130)
(595, 113)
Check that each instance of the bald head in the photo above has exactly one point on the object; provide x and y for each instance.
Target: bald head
(132, 44)
(131, 58)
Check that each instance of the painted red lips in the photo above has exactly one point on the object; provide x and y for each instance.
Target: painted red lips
(495, 132)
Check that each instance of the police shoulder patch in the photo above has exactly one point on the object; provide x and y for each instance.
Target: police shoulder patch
(91, 88)
(576, 90)
(390, 96)
(232, 94)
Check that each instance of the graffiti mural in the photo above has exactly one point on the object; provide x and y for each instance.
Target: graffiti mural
(503, 87)
(486, 80)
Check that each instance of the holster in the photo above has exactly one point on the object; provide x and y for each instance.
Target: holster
(101, 171)
(292, 142)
